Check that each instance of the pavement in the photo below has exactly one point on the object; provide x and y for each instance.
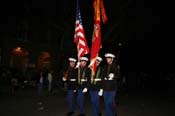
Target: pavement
(135, 103)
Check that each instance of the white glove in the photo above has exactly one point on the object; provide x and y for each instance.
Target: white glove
(64, 79)
(78, 64)
(111, 76)
(84, 90)
(75, 91)
(100, 93)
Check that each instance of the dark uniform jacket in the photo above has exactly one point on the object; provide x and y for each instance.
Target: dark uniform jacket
(110, 85)
(71, 78)
(96, 83)
(85, 76)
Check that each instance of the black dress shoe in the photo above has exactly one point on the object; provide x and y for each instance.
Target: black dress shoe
(100, 114)
(70, 113)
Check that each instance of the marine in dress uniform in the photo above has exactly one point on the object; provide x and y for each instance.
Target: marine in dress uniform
(83, 83)
(95, 88)
(70, 77)
(110, 77)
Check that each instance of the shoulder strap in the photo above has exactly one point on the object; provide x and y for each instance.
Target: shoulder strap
(98, 72)
(84, 73)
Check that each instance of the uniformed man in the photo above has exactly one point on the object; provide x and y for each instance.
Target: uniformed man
(110, 77)
(96, 88)
(84, 75)
(70, 77)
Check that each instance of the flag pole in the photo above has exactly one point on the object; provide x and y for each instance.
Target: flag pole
(80, 39)
(78, 62)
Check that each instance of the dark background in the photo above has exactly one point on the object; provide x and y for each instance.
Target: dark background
(142, 26)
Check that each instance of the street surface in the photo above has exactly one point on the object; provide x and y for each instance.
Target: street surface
(138, 103)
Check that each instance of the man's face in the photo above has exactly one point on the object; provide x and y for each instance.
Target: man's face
(72, 64)
(109, 60)
(97, 62)
(83, 63)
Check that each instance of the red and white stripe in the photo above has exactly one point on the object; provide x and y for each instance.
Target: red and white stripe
(80, 40)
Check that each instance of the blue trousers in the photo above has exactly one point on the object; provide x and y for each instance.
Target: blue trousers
(95, 102)
(80, 101)
(70, 100)
(109, 101)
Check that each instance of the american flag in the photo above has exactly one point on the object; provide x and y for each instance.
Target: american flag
(79, 36)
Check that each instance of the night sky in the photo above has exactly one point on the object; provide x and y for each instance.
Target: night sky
(142, 26)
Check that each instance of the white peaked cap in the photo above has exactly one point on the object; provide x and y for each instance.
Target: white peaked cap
(99, 59)
(84, 59)
(72, 59)
(110, 55)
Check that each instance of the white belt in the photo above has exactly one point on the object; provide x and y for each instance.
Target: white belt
(72, 79)
(97, 79)
(108, 79)
(83, 80)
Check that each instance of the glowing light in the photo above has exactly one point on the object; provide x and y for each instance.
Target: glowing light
(18, 49)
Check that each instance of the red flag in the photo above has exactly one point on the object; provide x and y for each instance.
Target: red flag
(96, 45)
(79, 36)
(96, 38)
